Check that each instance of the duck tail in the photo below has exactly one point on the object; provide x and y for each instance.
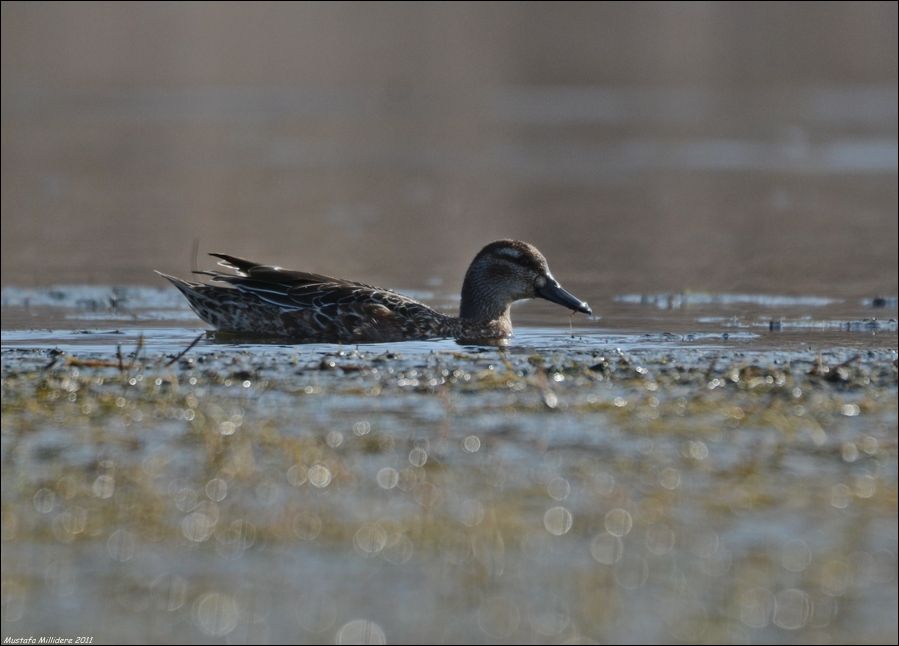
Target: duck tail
(240, 265)
(185, 286)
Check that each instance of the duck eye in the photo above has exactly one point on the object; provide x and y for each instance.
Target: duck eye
(540, 282)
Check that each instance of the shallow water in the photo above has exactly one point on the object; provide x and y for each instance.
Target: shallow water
(669, 469)
(76, 314)
(712, 460)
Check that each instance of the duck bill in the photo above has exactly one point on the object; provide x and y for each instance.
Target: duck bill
(553, 292)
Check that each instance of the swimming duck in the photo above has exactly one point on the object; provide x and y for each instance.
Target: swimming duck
(268, 301)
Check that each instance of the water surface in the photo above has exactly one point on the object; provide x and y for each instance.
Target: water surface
(714, 459)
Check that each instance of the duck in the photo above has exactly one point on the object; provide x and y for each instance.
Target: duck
(269, 301)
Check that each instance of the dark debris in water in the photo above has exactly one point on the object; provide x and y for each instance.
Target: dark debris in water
(90, 298)
(864, 325)
(881, 302)
(678, 300)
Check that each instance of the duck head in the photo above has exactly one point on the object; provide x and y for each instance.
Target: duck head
(506, 271)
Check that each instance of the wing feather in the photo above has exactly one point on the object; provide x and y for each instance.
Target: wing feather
(322, 297)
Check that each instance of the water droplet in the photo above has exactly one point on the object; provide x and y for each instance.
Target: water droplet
(632, 571)
(471, 444)
(824, 610)
(361, 631)
(197, 526)
(698, 450)
(850, 410)
(834, 576)
(670, 478)
(869, 444)
(557, 521)
(319, 475)
(795, 555)
(216, 489)
(558, 488)
(606, 548)
(296, 475)
(169, 592)
(604, 483)
(387, 478)
(68, 524)
(307, 526)
(618, 522)
(840, 496)
(550, 399)
(850, 452)
(370, 539)
(418, 457)
(217, 614)
(104, 486)
(234, 540)
(756, 605)
(398, 550)
(792, 609)
(864, 486)
(44, 500)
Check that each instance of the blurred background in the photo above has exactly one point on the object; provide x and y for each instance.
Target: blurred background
(641, 146)
(714, 467)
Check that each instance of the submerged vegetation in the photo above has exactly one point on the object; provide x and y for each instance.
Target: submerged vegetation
(692, 494)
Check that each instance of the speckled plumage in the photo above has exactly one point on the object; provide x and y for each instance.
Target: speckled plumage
(268, 301)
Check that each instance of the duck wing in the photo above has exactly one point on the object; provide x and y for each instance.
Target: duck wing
(322, 303)
(287, 289)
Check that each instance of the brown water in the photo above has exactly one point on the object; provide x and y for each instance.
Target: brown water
(713, 460)
(643, 149)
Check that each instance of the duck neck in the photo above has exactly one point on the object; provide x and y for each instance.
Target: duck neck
(482, 325)
(481, 302)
